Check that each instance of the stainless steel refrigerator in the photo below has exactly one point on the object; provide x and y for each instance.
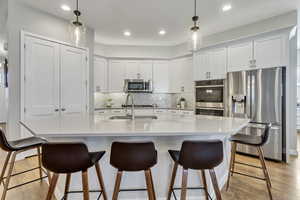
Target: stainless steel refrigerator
(260, 95)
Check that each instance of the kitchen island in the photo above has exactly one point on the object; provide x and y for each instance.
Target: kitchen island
(167, 132)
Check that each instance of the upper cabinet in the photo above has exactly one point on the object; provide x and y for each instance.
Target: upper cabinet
(181, 75)
(260, 53)
(240, 56)
(269, 52)
(117, 74)
(211, 64)
(161, 77)
(139, 70)
(100, 75)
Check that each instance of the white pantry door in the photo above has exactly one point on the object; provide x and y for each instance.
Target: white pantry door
(73, 80)
(41, 81)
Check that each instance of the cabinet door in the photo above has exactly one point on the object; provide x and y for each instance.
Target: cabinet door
(187, 75)
(240, 56)
(161, 77)
(73, 80)
(201, 66)
(269, 52)
(146, 70)
(175, 76)
(117, 74)
(41, 81)
(100, 75)
(218, 63)
(132, 70)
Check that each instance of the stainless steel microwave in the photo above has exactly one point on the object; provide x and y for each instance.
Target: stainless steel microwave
(137, 86)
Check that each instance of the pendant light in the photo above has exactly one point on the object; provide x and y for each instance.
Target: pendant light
(195, 33)
(77, 29)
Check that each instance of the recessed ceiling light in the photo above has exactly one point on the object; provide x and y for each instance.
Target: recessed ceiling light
(226, 7)
(65, 7)
(127, 33)
(162, 32)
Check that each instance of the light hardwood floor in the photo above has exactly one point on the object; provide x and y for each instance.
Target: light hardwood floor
(285, 179)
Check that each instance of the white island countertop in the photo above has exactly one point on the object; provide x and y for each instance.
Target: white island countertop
(165, 125)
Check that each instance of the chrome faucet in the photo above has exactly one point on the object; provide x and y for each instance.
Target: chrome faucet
(132, 105)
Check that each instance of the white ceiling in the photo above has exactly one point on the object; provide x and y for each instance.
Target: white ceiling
(144, 18)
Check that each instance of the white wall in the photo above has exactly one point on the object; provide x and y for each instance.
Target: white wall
(3, 24)
(22, 17)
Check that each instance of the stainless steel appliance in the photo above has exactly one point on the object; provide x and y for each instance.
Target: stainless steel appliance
(260, 95)
(210, 97)
(137, 85)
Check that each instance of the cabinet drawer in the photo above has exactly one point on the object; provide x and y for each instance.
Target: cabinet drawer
(187, 112)
(160, 111)
(116, 111)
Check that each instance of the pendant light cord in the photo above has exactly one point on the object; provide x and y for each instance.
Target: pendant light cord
(195, 7)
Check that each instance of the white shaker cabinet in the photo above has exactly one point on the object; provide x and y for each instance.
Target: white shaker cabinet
(176, 81)
(240, 56)
(161, 77)
(100, 75)
(181, 75)
(132, 69)
(55, 78)
(139, 70)
(73, 80)
(41, 78)
(117, 75)
(270, 52)
(201, 66)
(217, 64)
(146, 70)
(210, 65)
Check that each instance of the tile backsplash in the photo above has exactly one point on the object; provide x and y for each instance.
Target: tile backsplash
(161, 100)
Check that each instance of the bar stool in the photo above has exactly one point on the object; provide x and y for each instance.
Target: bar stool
(254, 141)
(197, 155)
(68, 158)
(13, 148)
(133, 157)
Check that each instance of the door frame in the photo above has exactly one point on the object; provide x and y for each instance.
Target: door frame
(23, 35)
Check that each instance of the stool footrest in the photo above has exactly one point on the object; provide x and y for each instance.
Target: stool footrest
(132, 190)
(248, 175)
(16, 186)
(80, 191)
(188, 188)
(249, 165)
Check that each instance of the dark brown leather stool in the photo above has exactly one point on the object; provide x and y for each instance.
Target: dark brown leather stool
(257, 142)
(68, 158)
(13, 148)
(133, 157)
(197, 155)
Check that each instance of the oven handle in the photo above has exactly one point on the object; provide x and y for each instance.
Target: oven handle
(209, 86)
(202, 108)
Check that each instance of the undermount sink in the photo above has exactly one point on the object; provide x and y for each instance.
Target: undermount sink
(136, 117)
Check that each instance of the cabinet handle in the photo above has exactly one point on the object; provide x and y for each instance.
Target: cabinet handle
(56, 110)
(63, 109)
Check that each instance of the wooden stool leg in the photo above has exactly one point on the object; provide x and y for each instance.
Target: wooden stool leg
(149, 185)
(262, 161)
(5, 166)
(172, 180)
(264, 165)
(52, 186)
(85, 185)
(215, 184)
(153, 189)
(231, 165)
(101, 182)
(204, 184)
(117, 185)
(67, 186)
(184, 184)
(11, 167)
(40, 162)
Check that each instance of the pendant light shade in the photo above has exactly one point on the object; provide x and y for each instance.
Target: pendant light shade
(77, 28)
(196, 37)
